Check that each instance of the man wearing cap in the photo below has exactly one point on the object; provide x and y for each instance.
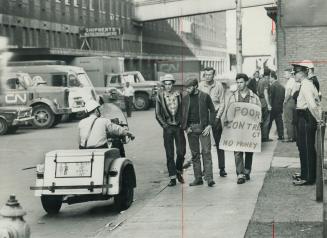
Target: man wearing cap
(128, 93)
(309, 114)
(289, 105)
(264, 95)
(94, 128)
(198, 117)
(169, 115)
(216, 92)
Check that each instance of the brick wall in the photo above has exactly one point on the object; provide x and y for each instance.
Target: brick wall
(303, 43)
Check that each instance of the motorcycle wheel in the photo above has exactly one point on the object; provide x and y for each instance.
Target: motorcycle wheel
(51, 204)
(125, 198)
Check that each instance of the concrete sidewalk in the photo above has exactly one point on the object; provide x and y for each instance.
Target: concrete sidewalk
(183, 211)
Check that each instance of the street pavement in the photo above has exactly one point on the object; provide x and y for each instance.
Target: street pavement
(183, 211)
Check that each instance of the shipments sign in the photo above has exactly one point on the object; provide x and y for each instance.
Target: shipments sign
(242, 131)
(101, 32)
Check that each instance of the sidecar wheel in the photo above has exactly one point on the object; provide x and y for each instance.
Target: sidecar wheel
(125, 198)
(51, 204)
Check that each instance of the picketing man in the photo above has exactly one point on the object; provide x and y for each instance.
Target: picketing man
(309, 114)
(198, 117)
(277, 95)
(216, 91)
(243, 94)
(169, 116)
(264, 96)
(93, 130)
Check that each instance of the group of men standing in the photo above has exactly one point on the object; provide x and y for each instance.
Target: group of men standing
(198, 111)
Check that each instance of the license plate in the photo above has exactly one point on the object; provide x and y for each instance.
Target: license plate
(73, 169)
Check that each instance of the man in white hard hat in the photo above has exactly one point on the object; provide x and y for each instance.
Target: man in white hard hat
(169, 116)
(309, 114)
(93, 129)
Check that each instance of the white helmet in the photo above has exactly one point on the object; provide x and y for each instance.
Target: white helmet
(91, 105)
(167, 77)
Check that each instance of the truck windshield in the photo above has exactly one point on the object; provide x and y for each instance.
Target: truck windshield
(84, 80)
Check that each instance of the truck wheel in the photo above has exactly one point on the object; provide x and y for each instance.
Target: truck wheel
(51, 203)
(12, 129)
(57, 120)
(124, 199)
(141, 102)
(3, 126)
(43, 116)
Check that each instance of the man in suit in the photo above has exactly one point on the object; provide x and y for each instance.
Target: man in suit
(277, 96)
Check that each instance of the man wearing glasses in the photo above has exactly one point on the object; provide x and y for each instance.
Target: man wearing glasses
(169, 116)
(216, 92)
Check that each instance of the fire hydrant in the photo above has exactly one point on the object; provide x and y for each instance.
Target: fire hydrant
(12, 223)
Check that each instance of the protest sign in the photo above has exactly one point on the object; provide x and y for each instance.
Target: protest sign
(242, 133)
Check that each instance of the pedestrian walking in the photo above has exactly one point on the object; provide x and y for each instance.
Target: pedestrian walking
(291, 88)
(169, 116)
(128, 93)
(309, 114)
(277, 96)
(264, 96)
(216, 91)
(198, 117)
(243, 160)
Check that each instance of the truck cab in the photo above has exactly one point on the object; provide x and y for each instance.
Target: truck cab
(48, 103)
(65, 76)
(145, 91)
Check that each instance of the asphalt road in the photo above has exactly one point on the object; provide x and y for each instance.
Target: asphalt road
(27, 148)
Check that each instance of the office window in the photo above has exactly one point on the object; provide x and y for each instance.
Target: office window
(84, 3)
(91, 5)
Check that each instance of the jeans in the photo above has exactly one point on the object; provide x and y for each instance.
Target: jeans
(307, 127)
(239, 162)
(171, 134)
(277, 116)
(217, 129)
(265, 123)
(194, 140)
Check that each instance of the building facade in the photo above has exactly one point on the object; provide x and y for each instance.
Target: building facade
(302, 37)
(55, 29)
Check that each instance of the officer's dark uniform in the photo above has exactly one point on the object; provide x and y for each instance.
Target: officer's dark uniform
(308, 115)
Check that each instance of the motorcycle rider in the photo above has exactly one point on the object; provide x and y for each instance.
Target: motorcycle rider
(93, 129)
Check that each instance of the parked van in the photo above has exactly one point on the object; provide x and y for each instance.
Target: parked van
(80, 87)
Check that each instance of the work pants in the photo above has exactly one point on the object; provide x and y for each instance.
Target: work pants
(307, 127)
(265, 123)
(175, 134)
(128, 105)
(194, 140)
(239, 162)
(278, 118)
(289, 108)
(217, 129)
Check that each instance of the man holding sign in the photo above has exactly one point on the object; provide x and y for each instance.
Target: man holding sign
(242, 133)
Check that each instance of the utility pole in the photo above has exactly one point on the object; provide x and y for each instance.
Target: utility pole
(239, 59)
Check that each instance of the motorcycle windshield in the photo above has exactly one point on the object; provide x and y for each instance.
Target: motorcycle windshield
(111, 111)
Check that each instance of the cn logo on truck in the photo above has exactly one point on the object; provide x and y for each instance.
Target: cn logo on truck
(16, 98)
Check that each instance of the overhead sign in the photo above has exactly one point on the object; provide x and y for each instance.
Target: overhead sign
(242, 133)
(101, 32)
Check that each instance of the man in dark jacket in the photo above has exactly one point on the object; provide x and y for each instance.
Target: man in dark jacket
(277, 96)
(168, 114)
(198, 117)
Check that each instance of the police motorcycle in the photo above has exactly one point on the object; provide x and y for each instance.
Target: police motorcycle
(76, 176)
